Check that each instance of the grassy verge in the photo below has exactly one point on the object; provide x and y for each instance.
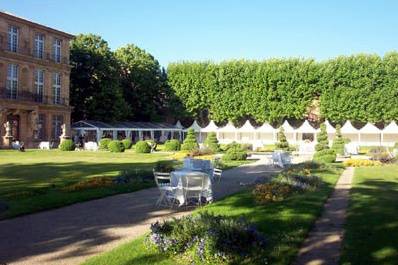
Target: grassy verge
(35, 180)
(285, 224)
(372, 224)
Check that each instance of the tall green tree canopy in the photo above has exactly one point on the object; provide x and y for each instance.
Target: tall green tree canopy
(143, 82)
(95, 91)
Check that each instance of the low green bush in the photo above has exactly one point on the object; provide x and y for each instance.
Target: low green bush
(325, 156)
(116, 146)
(172, 145)
(142, 147)
(235, 153)
(104, 142)
(127, 143)
(67, 145)
(190, 142)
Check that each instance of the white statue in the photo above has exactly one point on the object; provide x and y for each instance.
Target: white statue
(7, 126)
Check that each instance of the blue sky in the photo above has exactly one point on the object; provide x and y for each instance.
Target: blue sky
(177, 30)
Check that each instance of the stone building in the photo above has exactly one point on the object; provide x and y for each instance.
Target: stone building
(34, 81)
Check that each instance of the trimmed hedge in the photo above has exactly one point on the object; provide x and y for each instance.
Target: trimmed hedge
(325, 156)
(282, 143)
(235, 152)
(67, 145)
(190, 142)
(104, 142)
(338, 142)
(211, 142)
(127, 143)
(359, 87)
(172, 145)
(116, 146)
(142, 147)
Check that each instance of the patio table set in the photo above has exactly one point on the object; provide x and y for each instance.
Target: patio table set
(190, 184)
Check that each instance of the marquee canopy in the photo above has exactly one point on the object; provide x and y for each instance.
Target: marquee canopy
(266, 127)
(228, 128)
(287, 127)
(329, 127)
(348, 128)
(370, 129)
(306, 128)
(195, 126)
(391, 128)
(211, 127)
(247, 127)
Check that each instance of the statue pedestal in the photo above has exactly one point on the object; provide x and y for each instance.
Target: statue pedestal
(63, 138)
(7, 140)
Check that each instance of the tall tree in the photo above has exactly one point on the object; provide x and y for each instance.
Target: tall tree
(143, 82)
(95, 91)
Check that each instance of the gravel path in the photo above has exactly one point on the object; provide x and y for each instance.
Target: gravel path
(71, 234)
(323, 245)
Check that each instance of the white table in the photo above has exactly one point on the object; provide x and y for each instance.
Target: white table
(176, 182)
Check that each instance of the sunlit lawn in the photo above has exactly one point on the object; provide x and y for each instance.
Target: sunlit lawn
(33, 180)
(284, 223)
(372, 225)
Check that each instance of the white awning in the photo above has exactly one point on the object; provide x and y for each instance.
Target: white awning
(288, 128)
(211, 127)
(179, 125)
(247, 127)
(306, 128)
(391, 128)
(195, 126)
(228, 128)
(348, 128)
(329, 127)
(266, 127)
(370, 129)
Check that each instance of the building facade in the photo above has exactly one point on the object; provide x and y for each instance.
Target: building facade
(34, 81)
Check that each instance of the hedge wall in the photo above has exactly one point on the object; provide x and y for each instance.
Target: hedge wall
(360, 87)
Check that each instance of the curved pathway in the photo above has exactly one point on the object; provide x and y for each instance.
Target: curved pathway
(71, 234)
(323, 244)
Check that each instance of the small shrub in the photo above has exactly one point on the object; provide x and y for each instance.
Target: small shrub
(67, 145)
(127, 143)
(325, 156)
(142, 147)
(211, 142)
(190, 142)
(172, 145)
(247, 147)
(116, 146)
(235, 153)
(104, 142)
(270, 192)
(209, 239)
(282, 143)
(361, 163)
(301, 182)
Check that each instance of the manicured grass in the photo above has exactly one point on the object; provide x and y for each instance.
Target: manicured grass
(34, 180)
(372, 224)
(285, 224)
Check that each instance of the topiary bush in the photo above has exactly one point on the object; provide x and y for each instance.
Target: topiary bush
(323, 154)
(211, 142)
(172, 145)
(127, 143)
(116, 146)
(190, 142)
(67, 145)
(104, 142)
(235, 153)
(142, 147)
(338, 142)
(282, 143)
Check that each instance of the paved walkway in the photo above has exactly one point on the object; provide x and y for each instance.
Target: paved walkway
(71, 234)
(323, 245)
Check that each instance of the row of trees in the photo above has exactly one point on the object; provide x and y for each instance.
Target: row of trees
(361, 87)
(106, 85)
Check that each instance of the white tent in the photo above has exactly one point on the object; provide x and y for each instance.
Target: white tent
(389, 135)
(211, 127)
(349, 131)
(196, 127)
(179, 125)
(305, 130)
(290, 132)
(370, 135)
(228, 133)
(331, 131)
(246, 133)
(266, 134)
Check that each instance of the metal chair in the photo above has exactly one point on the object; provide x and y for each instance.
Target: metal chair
(217, 173)
(166, 190)
(193, 187)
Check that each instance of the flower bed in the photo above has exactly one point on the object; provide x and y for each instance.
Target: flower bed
(361, 163)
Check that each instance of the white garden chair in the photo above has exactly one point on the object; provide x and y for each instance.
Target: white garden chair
(217, 173)
(163, 181)
(193, 187)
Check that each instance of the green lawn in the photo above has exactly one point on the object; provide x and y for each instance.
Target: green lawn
(33, 180)
(285, 224)
(372, 224)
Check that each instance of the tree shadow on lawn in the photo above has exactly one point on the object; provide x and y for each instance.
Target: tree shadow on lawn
(372, 224)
